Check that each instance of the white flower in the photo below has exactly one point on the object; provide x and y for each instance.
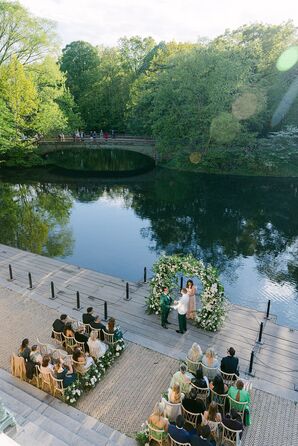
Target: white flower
(117, 354)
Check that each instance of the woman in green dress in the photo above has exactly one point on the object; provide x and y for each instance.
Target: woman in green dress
(159, 422)
(238, 393)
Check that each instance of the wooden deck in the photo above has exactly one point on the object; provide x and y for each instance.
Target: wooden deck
(276, 359)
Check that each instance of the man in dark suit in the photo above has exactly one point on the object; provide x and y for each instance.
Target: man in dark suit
(93, 321)
(233, 421)
(59, 324)
(178, 433)
(230, 364)
(202, 439)
(81, 337)
(191, 404)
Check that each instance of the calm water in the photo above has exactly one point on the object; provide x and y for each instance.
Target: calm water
(247, 227)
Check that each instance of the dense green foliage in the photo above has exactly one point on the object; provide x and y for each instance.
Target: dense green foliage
(33, 97)
(196, 100)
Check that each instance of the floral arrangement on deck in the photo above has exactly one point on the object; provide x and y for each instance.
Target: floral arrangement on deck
(94, 374)
(142, 436)
(212, 313)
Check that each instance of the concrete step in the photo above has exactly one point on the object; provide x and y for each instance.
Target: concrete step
(39, 415)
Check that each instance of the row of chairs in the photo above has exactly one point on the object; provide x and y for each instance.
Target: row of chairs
(70, 343)
(228, 378)
(228, 436)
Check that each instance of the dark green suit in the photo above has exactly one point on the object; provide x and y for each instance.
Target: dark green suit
(165, 302)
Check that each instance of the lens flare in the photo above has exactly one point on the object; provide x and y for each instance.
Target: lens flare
(245, 106)
(287, 59)
(224, 128)
(195, 157)
(286, 103)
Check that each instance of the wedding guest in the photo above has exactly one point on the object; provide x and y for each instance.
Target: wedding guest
(181, 306)
(210, 360)
(233, 421)
(68, 331)
(191, 291)
(96, 347)
(46, 365)
(35, 355)
(182, 379)
(65, 373)
(158, 421)
(192, 404)
(93, 321)
(200, 380)
(212, 417)
(81, 337)
(178, 432)
(238, 393)
(174, 394)
(218, 385)
(111, 328)
(202, 438)
(84, 360)
(24, 350)
(59, 324)
(195, 353)
(230, 363)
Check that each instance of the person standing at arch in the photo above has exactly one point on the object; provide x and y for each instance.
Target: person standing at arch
(165, 302)
(181, 306)
(191, 291)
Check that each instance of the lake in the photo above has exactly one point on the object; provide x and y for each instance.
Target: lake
(247, 227)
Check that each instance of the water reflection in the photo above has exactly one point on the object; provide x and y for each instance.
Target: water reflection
(247, 227)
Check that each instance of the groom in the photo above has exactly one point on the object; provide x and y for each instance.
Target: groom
(181, 306)
(165, 302)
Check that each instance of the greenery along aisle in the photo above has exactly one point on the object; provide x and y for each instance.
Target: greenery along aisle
(212, 313)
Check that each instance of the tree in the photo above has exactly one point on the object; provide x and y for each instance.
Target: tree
(23, 36)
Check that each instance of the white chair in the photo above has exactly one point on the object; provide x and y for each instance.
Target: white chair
(18, 368)
(189, 417)
(44, 350)
(87, 328)
(176, 443)
(157, 435)
(202, 392)
(45, 380)
(210, 372)
(109, 338)
(192, 366)
(229, 378)
(58, 337)
(238, 406)
(81, 345)
(171, 410)
(70, 343)
(57, 386)
(229, 436)
(220, 399)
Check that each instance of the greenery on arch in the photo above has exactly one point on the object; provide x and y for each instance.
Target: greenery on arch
(212, 313)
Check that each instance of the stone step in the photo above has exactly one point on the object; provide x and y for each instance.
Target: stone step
(38, 413)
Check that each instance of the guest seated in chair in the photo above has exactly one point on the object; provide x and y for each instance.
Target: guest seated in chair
(158, 421)
(212, 417)
(218, 386)
(174, 394)
(24, 350)
(46, 365)
(230, 363)
(65, 372)
(68, 331)
(96, 347)
(81, 337)
(200, 380)
(195, 353)
(58, 324)
(94, 321)
(35, 355)
(191, 404)
(85, 360)
(202, 438)
(210, 360)
(182, 379)
(178, 433)
(238, 393)
(111, 328)
(233, 421)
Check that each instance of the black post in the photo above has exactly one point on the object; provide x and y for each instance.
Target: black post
(268, 309)
(260, 332)
(52, 291)
(251, 362)
(10, 272)
(181, 283)
(106, 310)
(127, 291)
(78, 301)
(145, 274)
(30, 281)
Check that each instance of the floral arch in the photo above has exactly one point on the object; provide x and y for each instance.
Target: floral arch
(212, 313)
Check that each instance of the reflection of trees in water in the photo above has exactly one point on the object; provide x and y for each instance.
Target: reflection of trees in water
(35, 218)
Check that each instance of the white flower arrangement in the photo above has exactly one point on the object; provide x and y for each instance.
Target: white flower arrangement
(212, 314)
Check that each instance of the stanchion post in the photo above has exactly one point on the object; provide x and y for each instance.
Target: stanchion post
(268, 309)
(181, 283)
(145, 274)
(10, 272)
(30, 281)
(52, 291)
(260, 333)
(105, 310)
(127, 291)
(78, 307)
(251, 363)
